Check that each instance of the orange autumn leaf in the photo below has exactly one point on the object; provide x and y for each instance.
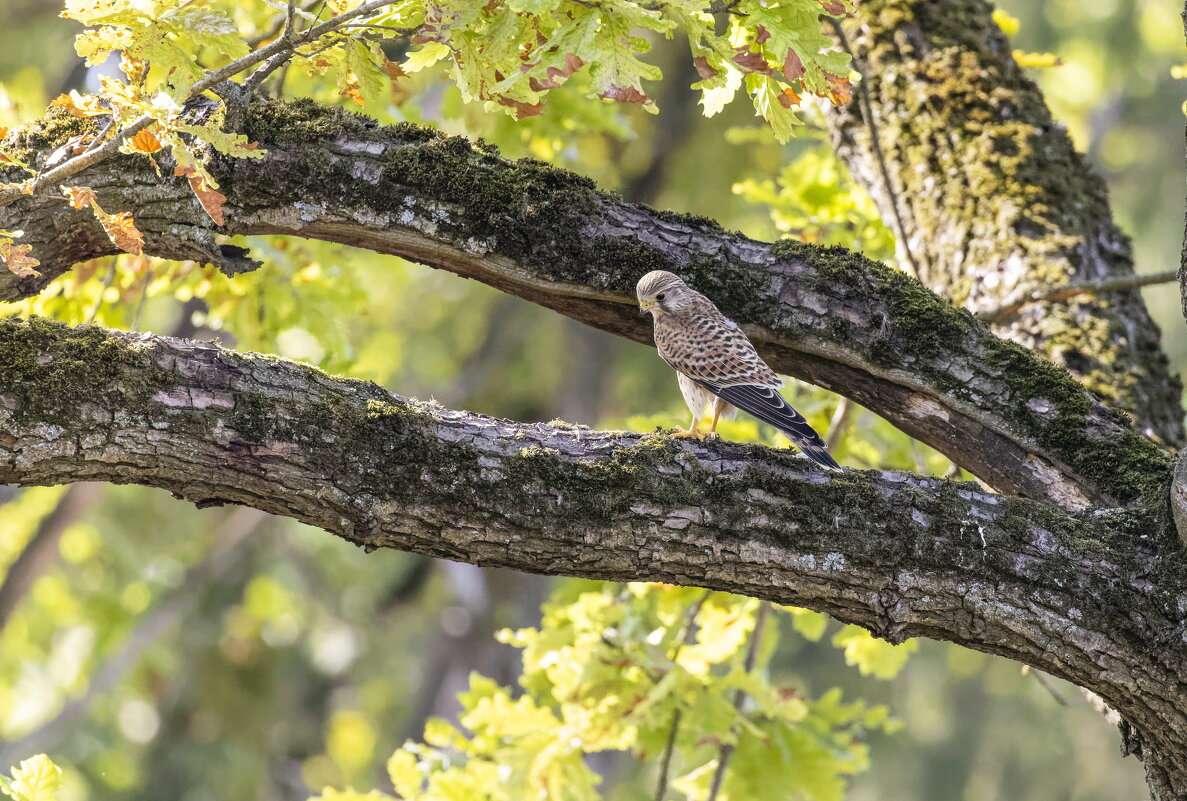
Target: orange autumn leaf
(355, 93)
(122, 230)
(212, 200)
(79, 105)
(145, 142)
(17, 259)
(789, 97)
(840, 90)
(80, 197)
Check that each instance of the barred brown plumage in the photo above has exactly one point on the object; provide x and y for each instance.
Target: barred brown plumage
(711, 353)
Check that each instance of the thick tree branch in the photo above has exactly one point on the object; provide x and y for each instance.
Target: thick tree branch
(825, 315)
(994, 208)
(1098, 598)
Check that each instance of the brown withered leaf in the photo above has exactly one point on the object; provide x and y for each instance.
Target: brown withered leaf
(751, 62)
(522, 109)
(704, 69)
(834, 7)
(793, 67)
(122, 230)
(80, 197)
(145, 142)
(555, 76)
(761, 34)
(211, 199)
(391, 68)
(625, 94)
(17, 259)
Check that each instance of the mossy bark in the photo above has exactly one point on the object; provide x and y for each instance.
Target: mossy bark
(990, 201)
(823, 314)
(1097, 598)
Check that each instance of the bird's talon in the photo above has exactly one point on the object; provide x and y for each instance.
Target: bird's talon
(691, 434)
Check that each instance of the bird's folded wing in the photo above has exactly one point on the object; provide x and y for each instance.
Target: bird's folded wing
(768, 405)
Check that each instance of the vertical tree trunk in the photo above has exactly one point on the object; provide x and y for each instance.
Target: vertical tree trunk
(989, 200)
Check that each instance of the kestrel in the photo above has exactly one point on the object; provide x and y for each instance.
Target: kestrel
(716, 363)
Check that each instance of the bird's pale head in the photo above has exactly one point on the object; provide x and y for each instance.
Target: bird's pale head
(660, 292)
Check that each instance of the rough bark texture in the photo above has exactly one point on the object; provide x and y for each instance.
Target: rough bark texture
(826, 315)
(990, 201)
(1098, 598)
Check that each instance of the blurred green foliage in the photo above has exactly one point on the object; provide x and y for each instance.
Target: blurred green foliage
(166, 652)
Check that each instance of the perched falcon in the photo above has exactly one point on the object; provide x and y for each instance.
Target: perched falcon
(715, 362)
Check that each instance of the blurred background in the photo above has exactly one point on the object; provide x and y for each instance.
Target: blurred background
(158, 651)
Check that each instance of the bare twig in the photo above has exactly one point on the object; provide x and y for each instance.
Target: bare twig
(41, 549)
(685, 638)
(143, 297)
(727, 750)
(107, 279)
(836, 427)
(271, 56)
(1068, 291)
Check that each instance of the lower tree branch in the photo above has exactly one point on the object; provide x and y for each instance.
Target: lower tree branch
(1098, 598)
(822, 314)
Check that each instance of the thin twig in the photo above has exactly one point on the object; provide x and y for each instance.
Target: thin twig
(103, 290)
(281, 47)
(665, 764)
(143, 297)
(837, 425)
(727, 750)
(278, 25)
(1072, 290)
(41, 551)
(685, 638)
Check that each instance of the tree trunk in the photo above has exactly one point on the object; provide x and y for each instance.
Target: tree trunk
(989, 200)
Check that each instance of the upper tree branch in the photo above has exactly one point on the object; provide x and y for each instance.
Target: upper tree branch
(1097, 598)
(826, 315)
(993, 206)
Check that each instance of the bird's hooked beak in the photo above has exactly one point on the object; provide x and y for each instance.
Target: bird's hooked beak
(644, 307)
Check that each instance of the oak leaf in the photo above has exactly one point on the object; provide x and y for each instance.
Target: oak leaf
(793, 66)
(145, 142)
(625, 94)
(17, 259)
(211, 199)
(121, 229)
(80, 197)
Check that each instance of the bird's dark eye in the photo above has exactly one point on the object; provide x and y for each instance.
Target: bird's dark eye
(661, 296)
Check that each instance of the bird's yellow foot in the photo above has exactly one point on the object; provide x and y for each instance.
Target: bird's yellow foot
(689, 434)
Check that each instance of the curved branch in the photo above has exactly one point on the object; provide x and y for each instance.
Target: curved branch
(825, 315)
(993, 207)
(1099, 599)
